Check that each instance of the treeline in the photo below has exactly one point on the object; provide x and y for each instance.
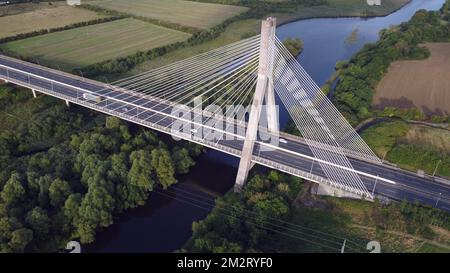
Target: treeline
(360, 75)
(412, 114)
(50, 30)
(254, 3)
(75, 187)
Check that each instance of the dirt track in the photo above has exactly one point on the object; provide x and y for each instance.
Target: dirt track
(424, 84)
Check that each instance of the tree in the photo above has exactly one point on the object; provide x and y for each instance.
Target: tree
(39, 221)
(294, 46)
(140, 178)
(140, 174)
(44, 185)
(95, 211)
(182, 161)
(58, 192)
(71, 207)
(113, 123)
(13, 191)
(7, 226)
(20, 238)
(163, 165)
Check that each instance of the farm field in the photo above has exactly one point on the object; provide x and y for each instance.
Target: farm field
(235, 32)
(424, 84)
(192, 14)
(95, 43)
(43, 19)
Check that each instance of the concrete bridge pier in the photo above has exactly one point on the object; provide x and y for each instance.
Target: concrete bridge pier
(67, 103)
(34, 93)
(263, 87)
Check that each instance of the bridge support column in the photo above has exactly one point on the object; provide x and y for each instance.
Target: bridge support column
(34, 93)
(262, 87)
(272, 117)
(67, 103)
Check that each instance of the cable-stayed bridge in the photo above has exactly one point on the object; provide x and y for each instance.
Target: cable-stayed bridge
(240, 84)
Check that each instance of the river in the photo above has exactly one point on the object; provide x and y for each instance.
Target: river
(164, 223)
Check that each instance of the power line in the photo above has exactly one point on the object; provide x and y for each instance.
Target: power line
(268, 222)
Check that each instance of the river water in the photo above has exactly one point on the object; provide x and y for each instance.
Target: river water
(164, 223)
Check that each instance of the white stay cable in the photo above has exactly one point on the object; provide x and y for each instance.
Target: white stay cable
(186, 62)
(311, 125)
(344, 133)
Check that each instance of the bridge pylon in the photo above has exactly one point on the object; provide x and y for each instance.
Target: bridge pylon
(264, 90)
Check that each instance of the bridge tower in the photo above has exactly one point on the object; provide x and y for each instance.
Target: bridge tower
(264, 90)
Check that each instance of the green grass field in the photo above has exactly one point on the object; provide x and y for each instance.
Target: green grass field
(364, 221)
(411, 147)
(91, 44)
(44, 18)
(192, 14)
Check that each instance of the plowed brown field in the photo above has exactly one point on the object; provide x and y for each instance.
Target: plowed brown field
(424, 84)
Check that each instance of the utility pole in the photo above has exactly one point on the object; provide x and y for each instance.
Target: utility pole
(374, 186)
(343, 246)
(312, 165)
(264, 89)
(437, 165)
(437, 201)
(384, 155)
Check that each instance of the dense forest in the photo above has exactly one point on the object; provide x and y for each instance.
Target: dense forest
(66, 174)
(358, 77)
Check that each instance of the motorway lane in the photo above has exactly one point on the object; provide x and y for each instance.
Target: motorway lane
(408, 186)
